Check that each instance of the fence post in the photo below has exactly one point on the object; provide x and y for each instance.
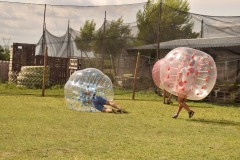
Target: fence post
(44, 70)
(103, 42)
(135, 76)
(1, 69)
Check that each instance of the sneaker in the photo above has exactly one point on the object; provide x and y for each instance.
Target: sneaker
(122, 111)
(119, 111)
(175, 115)
(191, 113)
(114, 111)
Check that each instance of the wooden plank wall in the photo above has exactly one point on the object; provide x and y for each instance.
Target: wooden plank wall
(58, 69)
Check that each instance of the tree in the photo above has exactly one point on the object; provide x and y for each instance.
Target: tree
(4, 54)
(175, 21)
(1, 50)
(116, 36)
(7, 55)
(112, 38)
(84, 41)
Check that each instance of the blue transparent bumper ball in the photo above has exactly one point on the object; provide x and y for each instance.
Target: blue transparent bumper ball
(83, 85)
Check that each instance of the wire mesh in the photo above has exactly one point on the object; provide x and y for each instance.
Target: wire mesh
(100, 36)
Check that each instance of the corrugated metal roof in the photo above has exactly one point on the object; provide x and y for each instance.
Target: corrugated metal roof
(194, 43)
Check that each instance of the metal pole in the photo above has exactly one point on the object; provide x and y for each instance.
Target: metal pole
(135, 76)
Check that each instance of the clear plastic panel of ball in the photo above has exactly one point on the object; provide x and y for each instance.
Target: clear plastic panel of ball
(188, 72)
(156, 73)
(81, 87)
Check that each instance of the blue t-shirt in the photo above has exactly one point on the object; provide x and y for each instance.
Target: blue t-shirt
(99, 102)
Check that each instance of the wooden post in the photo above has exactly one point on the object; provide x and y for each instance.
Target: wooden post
(44, 29)
(112, 65)
(44, 70)
(45, 52)
(135, 76)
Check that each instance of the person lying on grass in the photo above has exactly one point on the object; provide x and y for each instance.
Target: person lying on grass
(99, 102)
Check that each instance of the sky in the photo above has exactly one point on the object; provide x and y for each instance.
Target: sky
(206, 7)
(23, 23)
(215, 7)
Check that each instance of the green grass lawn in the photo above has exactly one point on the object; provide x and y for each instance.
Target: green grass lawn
(35, 127)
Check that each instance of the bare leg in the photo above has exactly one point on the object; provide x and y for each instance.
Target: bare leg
(111, 103)
(164, 96)
(107, 110)
(179, 109)
(115, 108)
(182, 103)
(169, 99)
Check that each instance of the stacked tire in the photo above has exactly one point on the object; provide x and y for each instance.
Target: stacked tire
(32, 77)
